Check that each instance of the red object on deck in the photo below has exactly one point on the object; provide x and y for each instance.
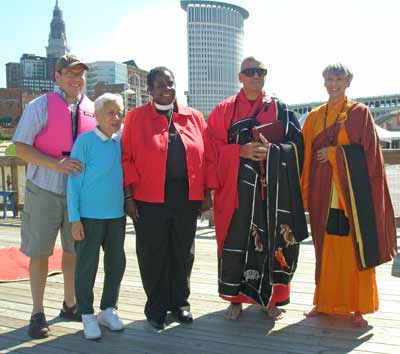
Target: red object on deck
(14, 265)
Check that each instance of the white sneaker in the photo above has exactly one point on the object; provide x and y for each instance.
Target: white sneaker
(91, 328)
(109, 318)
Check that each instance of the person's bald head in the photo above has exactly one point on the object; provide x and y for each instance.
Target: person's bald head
(251, 62)
(252, 77)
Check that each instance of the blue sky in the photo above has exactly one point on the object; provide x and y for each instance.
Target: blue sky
(296, 39)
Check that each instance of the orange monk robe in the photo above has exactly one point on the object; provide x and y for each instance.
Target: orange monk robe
(341, 286)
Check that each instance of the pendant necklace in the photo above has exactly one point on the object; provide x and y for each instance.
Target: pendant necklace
(331, 136)
(171, 134)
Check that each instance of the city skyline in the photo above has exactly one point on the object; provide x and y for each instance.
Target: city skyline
(301, 39)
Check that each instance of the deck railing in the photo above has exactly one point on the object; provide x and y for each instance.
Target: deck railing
(392, 165)
(13, 172)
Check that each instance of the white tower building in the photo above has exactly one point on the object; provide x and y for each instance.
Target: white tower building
(215, 36)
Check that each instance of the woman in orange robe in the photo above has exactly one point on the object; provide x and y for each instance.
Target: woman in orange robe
(348, 243)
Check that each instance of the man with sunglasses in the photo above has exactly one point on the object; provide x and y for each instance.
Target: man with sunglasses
(258, 211)
(44, 138)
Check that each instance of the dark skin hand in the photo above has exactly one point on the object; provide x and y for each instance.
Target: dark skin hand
(131, 209)
(206, 204)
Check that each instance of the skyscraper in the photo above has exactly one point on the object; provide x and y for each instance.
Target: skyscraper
(30, 73)
(57, 38)
(34, 72)
(57, 45)
(215, 36)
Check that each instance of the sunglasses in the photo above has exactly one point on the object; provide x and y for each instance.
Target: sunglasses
(249, 72)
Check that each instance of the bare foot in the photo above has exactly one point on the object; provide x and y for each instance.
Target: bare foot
(233, 311)
(275, 313)
(359, 320)
(313, 313)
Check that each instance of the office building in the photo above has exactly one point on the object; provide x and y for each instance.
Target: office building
(214, 37)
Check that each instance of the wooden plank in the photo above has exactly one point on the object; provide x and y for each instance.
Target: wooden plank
(210, 333)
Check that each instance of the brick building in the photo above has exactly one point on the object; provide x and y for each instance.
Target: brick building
(12, 104)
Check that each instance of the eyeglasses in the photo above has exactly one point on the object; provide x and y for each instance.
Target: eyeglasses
(73, 75)
(249, 72)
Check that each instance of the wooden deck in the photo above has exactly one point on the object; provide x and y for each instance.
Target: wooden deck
(254, 333)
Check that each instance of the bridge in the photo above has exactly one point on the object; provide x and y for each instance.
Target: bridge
(384, 108)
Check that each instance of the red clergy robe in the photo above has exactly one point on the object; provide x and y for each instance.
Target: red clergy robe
(226, 156)
(144, 151)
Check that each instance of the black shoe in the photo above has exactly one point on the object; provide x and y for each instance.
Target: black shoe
(158, 325)
(70, 313)
(38, 326)
(183, 316)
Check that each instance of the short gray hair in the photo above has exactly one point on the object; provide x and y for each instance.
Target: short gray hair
(338, 69)
(108, 97)
(245, 60)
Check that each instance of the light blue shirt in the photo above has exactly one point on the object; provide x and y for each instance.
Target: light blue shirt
(32, 121)
(97, 192)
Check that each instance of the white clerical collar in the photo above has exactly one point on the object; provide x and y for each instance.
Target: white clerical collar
(104, 137)
(161, 107)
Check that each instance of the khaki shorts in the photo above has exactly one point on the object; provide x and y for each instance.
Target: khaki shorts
(44, 215)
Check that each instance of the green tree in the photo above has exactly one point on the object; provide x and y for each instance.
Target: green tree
(10, 150)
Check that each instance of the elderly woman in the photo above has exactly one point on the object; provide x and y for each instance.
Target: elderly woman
(163, 159)
(95, 201)
(345, 190)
